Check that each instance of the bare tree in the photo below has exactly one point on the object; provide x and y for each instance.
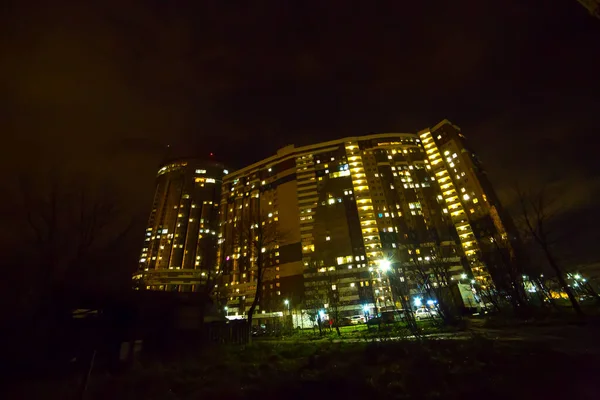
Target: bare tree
(399, 281)
(314, 300)
(430, 265)
(258, 236)
(538, 212)
(70, 229)
(334, 303)
(506, 270)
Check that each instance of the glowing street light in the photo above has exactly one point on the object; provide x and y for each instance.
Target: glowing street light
(385, 265)
(463, 276)
(286, 302)
(418, 302)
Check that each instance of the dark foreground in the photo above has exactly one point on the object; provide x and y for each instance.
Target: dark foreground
(449, 369)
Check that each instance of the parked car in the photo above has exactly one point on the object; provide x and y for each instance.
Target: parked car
(357, 319)
(391, 316)
(259, 330)
(387, 317)
(425, 313)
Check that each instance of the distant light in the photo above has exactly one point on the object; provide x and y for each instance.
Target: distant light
(472, 280)
(430, 302)
(577, 276)
(463, 276)
(366, 308)
(322, 314)
(384, 265)
(227, 258)
(418, 302)
(225, 171)
(225, 308)
(211, 154)
(286, 302)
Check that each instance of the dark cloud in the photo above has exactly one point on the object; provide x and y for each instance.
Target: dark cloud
(103, 88)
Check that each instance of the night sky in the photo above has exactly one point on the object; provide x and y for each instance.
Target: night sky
(103, 89)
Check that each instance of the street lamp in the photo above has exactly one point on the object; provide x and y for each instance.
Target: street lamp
(463, 276)
(385, 265)
(418, 302)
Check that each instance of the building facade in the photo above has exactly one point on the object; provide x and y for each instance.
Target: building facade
(486, 232)
(345, 210)
(341, 225)
(180, 246)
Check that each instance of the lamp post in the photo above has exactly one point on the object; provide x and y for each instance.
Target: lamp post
(384, 267)
(286, 302)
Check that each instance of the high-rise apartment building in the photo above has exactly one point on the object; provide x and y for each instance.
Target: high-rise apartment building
(345, 210)
(180, 246)
(485, 230)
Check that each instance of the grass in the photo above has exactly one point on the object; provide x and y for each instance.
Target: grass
(409, 369)
(363, 331)
(404, 369)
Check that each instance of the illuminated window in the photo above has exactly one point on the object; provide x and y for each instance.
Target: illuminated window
(200, 171)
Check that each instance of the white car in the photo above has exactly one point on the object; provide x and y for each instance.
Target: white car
(424, 313)
(357, 319)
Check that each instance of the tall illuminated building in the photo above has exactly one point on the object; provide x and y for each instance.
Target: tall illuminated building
(349, 208)
(181, 237)
(483, 226)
